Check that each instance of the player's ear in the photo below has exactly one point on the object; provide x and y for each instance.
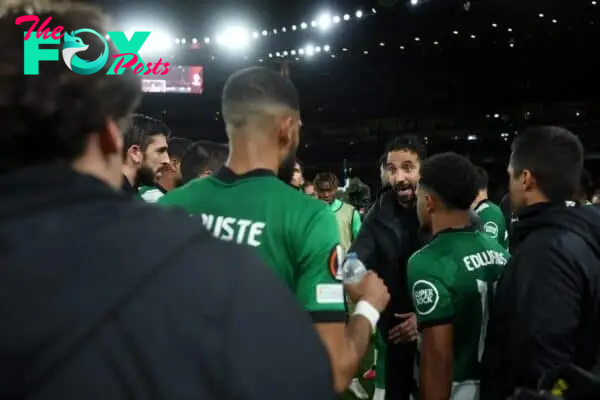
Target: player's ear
(110, 139)
(430, 203)
(286, 131)
(527, 180)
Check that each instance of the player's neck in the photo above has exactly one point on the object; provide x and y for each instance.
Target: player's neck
(481, 196)
(449, 220)
(246, 156)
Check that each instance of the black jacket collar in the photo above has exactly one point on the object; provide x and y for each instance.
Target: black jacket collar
(39, 186)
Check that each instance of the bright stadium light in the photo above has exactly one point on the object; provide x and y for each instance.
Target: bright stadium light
(255, 35)
(235, 38)
(309, 50)
(346, 17)
(359, 14)
(326, 48)
(301, 52)
(157, 42)
(207, 40)
(324, 21)
(303, 25)
(336, 19)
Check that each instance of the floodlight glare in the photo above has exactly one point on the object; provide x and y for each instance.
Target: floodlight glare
(324, 21)
(235, 38)
(309, 50)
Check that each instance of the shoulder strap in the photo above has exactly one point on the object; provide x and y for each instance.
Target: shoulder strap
(109, 286)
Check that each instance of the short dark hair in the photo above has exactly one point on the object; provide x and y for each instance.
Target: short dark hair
(49, 116)
(327, 177)
(249, 90)
(178, 146)
(202, 156)
(554, 156)
(408, 143)
(142, 131)
(452, 178)
(483, 179)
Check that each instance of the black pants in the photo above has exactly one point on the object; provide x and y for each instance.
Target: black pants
(399, 379)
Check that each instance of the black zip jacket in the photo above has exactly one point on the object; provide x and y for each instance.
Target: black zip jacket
(103, 296)
(547, 306)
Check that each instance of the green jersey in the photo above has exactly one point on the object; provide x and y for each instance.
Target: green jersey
(150, 194)
(297, 235)
(493, 221)
(452, 280)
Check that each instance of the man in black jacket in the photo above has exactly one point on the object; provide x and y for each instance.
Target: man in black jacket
(388, 237)
(104, 296)
(547, 307)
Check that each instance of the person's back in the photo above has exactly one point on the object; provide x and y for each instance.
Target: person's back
(259, 210)
(453, 277)
(100, 304)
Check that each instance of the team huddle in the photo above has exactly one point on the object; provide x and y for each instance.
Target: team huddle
(451, 278)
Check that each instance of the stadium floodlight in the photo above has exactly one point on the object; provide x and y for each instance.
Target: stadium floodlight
(301, 52)
(414, 2)
(324, 21)
(313, 23)
(207, 40)
(303, 25)
(283, 29)
(309, 51)
(326, 48)
(235, 38)
(294, 27)
(265, 33)
(346, 17)
(336, 19)
(157, 42)
(177, 40)
(194, 41)
(293, 52)
(255, 35)
(359, 14)
(318, 49)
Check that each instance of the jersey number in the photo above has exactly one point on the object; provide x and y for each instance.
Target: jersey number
(486, 292)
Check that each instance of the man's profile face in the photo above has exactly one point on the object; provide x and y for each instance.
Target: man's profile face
(156, 158)
(326, 192)
(403, 167)
(297, 178)
(310, 190)
(516, 189)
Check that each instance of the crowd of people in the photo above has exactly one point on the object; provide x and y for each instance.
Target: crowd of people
(137, 264)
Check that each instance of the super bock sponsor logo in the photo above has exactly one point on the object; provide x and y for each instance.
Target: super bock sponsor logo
(491, 229)
(425, 296)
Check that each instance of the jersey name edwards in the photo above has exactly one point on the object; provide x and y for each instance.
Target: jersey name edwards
(238, 230)
(484, 258)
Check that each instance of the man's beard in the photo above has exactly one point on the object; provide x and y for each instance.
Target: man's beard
(406, 193)
(145, 177)
(286, 169)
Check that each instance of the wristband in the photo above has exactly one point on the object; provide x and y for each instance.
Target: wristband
(367, 311)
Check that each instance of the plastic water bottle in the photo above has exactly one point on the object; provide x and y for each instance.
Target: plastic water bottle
(353, 270)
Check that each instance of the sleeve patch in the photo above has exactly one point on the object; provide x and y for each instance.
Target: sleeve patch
(491, 229)
(330, 293)
(426, 297)
(335, 260)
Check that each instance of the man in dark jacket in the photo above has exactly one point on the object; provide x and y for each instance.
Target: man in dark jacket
(104, 296)
(388, 237)
(547, 307)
